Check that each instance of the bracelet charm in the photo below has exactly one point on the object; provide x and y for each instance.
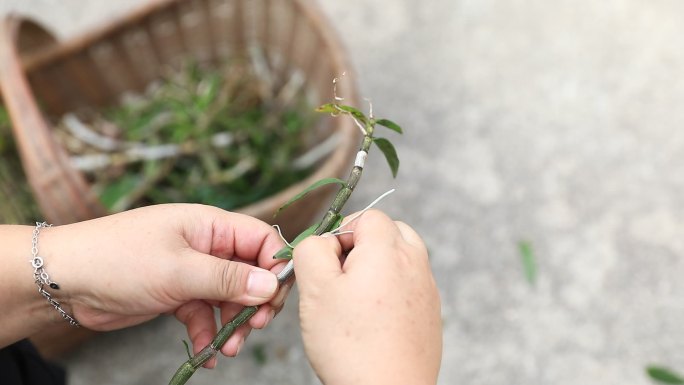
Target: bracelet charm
(41, 277)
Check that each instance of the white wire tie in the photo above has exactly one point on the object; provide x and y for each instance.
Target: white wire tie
(357, 215)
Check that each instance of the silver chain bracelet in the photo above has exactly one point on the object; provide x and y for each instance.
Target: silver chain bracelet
(42, 278)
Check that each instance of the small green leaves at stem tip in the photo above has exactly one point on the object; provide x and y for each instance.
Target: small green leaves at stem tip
(333, 108)
(390, 154)
(354, 112)
(327, 108)
(389, 124)
(664, 375)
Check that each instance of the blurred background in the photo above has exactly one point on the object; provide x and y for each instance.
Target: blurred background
(542, 162)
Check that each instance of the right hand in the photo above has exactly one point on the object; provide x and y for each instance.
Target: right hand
(376, 318)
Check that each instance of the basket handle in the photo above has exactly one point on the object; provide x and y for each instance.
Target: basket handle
(62, 193)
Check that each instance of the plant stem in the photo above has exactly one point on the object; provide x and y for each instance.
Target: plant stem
(187, 369)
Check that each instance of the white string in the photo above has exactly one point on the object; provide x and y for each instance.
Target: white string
(370, 105)
(335, 80)
(357, 215)
(343, 232)
(360, 126)
(339, 99)
(338, 231)
(282, 237)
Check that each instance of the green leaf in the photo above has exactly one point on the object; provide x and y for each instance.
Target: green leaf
(389, 124)
(664, 375)
(335, 109)
(284, 253)
(187, 348)
(314, 186)
(390, 154)
(304, 234)
(528, 261)
(328, 108)
(353, 112)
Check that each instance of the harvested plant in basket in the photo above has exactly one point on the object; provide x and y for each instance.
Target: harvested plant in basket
(222, 137)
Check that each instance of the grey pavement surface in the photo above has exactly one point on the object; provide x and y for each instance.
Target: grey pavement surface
(556, 122)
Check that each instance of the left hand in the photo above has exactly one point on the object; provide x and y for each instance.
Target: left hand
(127, 268)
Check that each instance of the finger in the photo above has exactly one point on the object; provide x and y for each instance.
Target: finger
(198, 317)
(262, 317)
(207, 277)
(229, 310)
(259, 320)
(235, 343)
(237, 235)
(410, 235)
(372, 243)
(279, 300)
(317, 261)
(266, 311)
(371, 227)
(279, 267)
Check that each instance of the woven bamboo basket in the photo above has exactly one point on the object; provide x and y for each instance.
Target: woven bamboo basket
(41, 77)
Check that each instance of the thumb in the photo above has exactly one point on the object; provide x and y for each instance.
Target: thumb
(212, 278)
(317, 261)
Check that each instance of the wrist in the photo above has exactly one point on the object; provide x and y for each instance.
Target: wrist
(42, 279)
(25, 310)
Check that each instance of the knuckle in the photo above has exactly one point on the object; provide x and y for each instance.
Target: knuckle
(229, 278)
(309, 244)
(317, 244)
(306, 243)
(375, 215)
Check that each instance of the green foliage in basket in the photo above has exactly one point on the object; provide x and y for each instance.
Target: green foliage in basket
(224, 137)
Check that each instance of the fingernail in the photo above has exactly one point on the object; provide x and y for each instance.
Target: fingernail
(327, 235)
(279, 299)
(262, 284)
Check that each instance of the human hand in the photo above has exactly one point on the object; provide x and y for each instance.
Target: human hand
(127, 268)
(376, 318)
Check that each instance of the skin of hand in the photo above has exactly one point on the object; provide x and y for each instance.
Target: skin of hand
(374, 318)
(127, 268)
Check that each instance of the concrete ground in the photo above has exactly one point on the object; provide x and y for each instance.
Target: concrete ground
(553, 122)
